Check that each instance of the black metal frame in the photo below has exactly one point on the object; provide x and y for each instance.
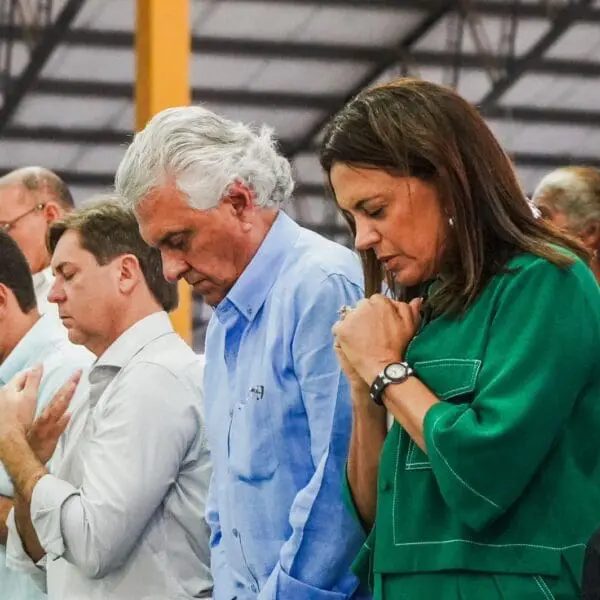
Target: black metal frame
(18, 88)
(563, 20)
(377, 61)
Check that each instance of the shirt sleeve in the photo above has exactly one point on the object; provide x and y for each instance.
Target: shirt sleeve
(542, 350)
(147, 424)
(17, 558)
(315, 561)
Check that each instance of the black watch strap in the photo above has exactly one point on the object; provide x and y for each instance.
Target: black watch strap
(393, 373)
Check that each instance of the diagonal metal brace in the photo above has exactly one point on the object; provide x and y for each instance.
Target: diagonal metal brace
(563, 20)
(39, 57)
(400, 51)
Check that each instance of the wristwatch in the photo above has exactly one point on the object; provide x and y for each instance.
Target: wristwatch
(396, 372)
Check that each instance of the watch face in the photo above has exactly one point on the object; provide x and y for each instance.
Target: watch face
(395, 371)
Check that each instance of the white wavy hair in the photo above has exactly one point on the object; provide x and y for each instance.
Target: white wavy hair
(574, 191)
(204, 154)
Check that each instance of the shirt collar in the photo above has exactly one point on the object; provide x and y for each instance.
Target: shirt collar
(31, 344)
(131, 341)
(253, 286)
(42, 278)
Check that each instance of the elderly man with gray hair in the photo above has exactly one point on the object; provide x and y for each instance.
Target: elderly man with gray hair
(570, 198)
(31, 199)
(207, 192)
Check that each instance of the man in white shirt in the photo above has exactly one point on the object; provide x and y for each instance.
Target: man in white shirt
(121, 515)
(31, 199)
(27, 339)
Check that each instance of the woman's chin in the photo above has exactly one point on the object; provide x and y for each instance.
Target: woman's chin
(406, 278)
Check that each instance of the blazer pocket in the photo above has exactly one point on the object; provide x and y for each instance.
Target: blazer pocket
(451, 380)
(252, 451)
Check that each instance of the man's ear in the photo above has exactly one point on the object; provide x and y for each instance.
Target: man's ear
(5, 297)
(52, 212)
(129, 273)
(241, 198)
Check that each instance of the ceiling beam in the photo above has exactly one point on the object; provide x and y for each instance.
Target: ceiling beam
(74, 135)
(529, 115)
(544, 66)
(397, 54)
(224, 46)
(78, 178)
(298, 50)
(257, 98)
(70, 135)
(37, 61)
(493, 8)
(553, 161)
(563, 20)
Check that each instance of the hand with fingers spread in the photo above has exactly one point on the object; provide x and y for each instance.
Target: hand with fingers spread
(45, 432)
(18, 402)
(375, 334)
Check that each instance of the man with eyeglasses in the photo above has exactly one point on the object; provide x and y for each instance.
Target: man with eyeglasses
(31, 199)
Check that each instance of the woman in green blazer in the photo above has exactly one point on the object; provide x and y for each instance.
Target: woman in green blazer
(487, 485)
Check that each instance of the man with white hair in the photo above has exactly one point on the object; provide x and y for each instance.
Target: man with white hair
(207, 192)
(31, 199)
(570, 198)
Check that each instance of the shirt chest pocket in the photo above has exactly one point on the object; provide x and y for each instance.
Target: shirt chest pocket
(451, 380)
(251, 441)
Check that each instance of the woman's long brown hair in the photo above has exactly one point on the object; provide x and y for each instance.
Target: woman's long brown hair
(416, 128)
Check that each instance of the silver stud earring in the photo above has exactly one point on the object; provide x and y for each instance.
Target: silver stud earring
(451, 222)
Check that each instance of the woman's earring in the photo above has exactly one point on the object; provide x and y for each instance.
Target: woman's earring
(451, 222)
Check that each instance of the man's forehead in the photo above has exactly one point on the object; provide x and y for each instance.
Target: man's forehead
(158, 216)
(67, 245)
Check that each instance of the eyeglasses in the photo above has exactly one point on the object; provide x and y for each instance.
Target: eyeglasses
(8, 225)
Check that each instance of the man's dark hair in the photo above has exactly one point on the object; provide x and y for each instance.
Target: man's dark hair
(15, 273)
(108, 230)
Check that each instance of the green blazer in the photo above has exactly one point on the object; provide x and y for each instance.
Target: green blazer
(511, 479)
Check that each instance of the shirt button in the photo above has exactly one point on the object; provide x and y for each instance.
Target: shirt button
(384, 486)
(253, 588)
(231, 413)
(235, 532)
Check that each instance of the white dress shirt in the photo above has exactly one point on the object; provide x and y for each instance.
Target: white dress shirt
(121, 517)
(42, 284)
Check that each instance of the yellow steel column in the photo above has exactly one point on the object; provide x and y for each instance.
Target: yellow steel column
(163, 45)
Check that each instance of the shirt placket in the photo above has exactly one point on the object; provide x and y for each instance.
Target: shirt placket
(234, 324)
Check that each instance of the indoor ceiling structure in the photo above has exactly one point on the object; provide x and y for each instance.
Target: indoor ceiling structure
(67, 70)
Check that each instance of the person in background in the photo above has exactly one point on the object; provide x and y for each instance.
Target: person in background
(31, 199)
(570, 198)
(120, 514)
(488, 483)
(207, 192)
(27, 339)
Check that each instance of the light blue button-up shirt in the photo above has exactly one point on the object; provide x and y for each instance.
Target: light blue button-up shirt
(279, 419)
(46, 342)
